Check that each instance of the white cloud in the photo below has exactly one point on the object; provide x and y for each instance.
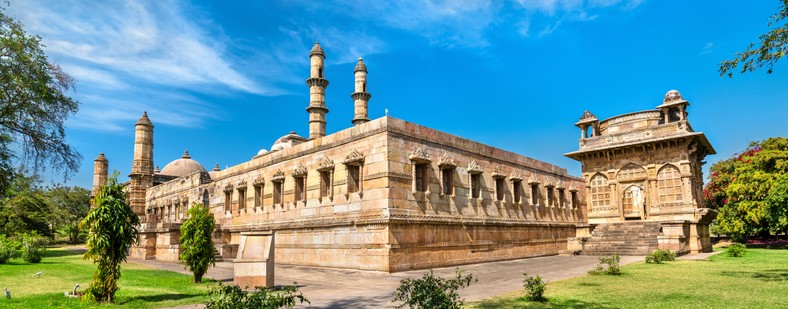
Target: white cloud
(707, 49)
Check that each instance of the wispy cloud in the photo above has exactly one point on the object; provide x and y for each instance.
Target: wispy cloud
(707, 49)
(128, 49)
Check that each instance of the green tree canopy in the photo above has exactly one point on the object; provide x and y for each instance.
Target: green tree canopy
(24, 208)
(751, 190)
(197, 249)
(773, 46)
(33, 105)
(112, 229)
(69, 206)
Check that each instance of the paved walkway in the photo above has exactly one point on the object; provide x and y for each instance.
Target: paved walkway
(341, 288)
(698, 256)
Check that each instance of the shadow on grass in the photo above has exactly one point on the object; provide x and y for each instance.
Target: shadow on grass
(50, 253)
(522, 302)
(768, 275)
(160, 297)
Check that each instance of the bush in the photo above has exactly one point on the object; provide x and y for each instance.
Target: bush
(736, 250)
(608, 265)
(432, 292)
(7, 249)
(534, 287)
(659, 256)
(33, 247)
(197, 249)
(232, 296)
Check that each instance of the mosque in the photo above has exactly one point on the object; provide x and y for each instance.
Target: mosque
(391, 195)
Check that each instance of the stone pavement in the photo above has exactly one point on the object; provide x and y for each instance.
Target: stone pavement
(699, 256)
(342, 288)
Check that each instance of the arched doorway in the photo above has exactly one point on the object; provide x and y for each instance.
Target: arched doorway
(634, 202)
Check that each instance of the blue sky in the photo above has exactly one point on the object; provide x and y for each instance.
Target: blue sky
(225, 79)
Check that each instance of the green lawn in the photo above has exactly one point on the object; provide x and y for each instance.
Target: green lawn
(140, 287)
(757, 280)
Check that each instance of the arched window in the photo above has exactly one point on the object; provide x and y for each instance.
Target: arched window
(631, 171)
(669, 186)
(205, 199)
(600, 191)
(320, 72)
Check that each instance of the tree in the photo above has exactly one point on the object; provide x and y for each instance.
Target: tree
(197, 249)
(112, 230)
(432, 292)
(33, 105)
(24, 209)
(69, 206)
(751, 190)
(773, 46)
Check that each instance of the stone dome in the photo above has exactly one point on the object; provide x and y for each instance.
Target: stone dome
(672, 96)
(183, 166)
(287, 141)
(262, 152)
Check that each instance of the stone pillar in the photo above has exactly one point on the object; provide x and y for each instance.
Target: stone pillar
(142, 167)
(360, 96)
(100, 174)
(317, 93)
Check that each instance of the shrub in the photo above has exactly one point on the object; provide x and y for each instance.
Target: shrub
(534, 287)
(432, 292)
(232, 296)
(7, 249)
(33, 247)
(736, 250)
(197, 249)
(608, 265)
(659, 256)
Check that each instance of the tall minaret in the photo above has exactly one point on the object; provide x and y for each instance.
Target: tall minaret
(100, 174)
(317, 94)
(142, 167)
(360, 96)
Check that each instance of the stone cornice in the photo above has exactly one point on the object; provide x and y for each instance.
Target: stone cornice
(360, 96)
(317, 81)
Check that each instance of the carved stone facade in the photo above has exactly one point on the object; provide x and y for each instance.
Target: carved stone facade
(384, 194)
(646, 166)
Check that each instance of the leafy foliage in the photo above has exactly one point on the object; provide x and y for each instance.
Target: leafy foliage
(773, 46)
(69, 205)
(196, 242)
(659, 256)
(608, 265)
(232, 296)
(432, 292)
(7, 249)
(33, 247)
(534, 288)
(751, 190)
(736, 250)
(24, 209)
(33, 104)
(112, 229)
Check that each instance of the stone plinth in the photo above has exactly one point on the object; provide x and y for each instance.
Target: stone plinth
(254, 265)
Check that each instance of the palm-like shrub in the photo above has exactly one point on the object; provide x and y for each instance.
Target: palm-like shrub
(197, 249)
(112, 230)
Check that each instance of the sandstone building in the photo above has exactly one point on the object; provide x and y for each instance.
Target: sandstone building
(383, 194)
(643, 177)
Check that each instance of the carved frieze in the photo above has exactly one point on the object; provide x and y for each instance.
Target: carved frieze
(354, 158)
(299, 170)
(228, 188)
(259, 180)
(498, 172)
(474, 168)
(419, 155)
(533, 180)
(326, 165)
(446, 162)
(278, 176)
(515, 177)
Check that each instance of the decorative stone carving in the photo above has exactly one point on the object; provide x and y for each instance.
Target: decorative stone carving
(515, 177)
(474, 168)
(326, 164)
(559, 185)
(497, 172)
(241, 184)
(299, 170)
(446, 162)
(354, 158)
(419, 155)
(549, 183)
(587, 115)
(260, 180)
(533, 180)
(672, 96)
(228, 188)
(279, 176)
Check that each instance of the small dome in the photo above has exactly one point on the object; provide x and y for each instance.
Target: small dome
(672, 96)
(262, 152)
(183, 166)
(317, 50)
(360, 66)
(144, 120)
(287, 141)
(101, 157)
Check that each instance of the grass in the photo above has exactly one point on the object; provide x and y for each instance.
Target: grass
(140, 286)
(757, 280)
